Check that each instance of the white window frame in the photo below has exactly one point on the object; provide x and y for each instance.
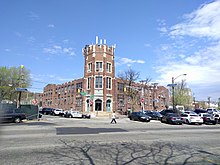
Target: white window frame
(108, 83)
(98, 82)
(89, 79)
(89, 69)
(100, 67)
(109, 67)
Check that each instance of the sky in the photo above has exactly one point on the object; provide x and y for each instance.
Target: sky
(160, 39)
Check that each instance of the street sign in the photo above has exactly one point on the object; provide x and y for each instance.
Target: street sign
(92, 97)
(21, 89)
(170, 85)
(34, 101)
(83, 93)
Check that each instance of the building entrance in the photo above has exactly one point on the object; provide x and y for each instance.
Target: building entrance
(98, 105)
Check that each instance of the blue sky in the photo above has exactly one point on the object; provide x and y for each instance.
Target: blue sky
(160, 39)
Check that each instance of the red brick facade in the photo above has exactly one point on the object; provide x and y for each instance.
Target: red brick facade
(99, 89)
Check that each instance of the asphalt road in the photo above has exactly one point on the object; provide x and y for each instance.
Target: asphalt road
(55, 140)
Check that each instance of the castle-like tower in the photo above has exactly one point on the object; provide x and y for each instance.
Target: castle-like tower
(99, 75)
(99, 90)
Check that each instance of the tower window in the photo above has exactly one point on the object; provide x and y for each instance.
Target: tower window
(108, 67)
(89, 83)
(98, 82)
(108, 82)
(99, 66)
(89, 67)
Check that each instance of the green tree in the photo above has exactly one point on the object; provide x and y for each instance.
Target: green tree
(12, 78)
(183, 95)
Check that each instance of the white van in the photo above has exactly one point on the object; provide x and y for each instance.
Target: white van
(180, 108)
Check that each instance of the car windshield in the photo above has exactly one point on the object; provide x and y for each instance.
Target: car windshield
(173, 115)
(207, 115)
(193, 115)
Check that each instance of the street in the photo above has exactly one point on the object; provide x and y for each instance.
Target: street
(56, 140)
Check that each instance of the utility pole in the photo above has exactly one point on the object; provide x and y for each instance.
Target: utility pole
(173, 93)
(21, 81)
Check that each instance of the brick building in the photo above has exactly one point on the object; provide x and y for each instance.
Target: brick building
(99, 91)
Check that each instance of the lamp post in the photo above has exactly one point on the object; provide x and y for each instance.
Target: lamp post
(173, 79)
(142, 93)
(154, 93)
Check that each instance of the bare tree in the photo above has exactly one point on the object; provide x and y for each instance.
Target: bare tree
(129, 78)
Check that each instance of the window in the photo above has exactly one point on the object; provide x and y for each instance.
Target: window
(121, 87)
(89, 67)
(79, 86)
(78, 102)
(108, 82)
(98, 82)
(72, 87)
(89, 83)
(99, 66)
(108, 67)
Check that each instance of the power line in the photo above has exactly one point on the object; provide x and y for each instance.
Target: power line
(41, 82)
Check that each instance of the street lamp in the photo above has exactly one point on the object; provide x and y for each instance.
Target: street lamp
(154, 92)
(173, 79)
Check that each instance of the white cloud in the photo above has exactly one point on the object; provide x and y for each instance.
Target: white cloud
(7, 50)
(204, 22)
(31, 39)
(18, 34)
(33, 16)
(163, 29)
(59, 50)
(128, 61)
(50, 26)
(199, 56)
(147, 45)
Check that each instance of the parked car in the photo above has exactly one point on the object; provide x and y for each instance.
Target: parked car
(172, 118)
(153, 114)
(198, 111)
(208, 118)
(211, 110)
(57, 112)
(189, 112)
(12, 115)
(86, 116)
(166, 111)
(191, 118)
(47, 111)
(139, 116)
(217, 118)
(74, 114)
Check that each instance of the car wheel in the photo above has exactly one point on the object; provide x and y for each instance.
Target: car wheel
(70, 116)
(17, 120)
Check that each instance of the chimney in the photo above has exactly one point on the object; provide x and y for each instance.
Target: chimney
(96, 40)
